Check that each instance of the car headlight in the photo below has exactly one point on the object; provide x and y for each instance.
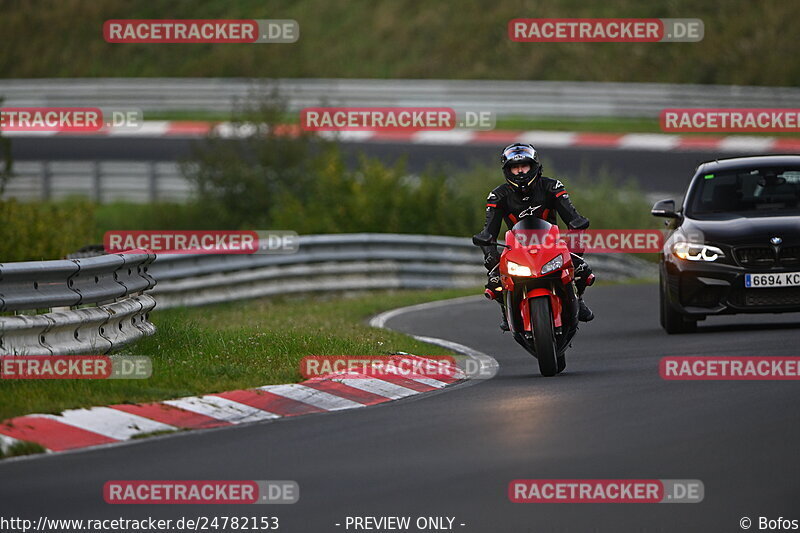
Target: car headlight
(518, 270)
(554, 264)
(696, 252)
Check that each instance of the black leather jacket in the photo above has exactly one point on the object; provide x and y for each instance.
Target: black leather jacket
(544, 198)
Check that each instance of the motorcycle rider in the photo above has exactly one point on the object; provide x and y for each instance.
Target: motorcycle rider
(528, 193)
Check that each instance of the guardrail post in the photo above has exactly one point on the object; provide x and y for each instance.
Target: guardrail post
(47, 181)
(98, 182)
(153, 182)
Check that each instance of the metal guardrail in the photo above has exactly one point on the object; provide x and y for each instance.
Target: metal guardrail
(324, 263)
(94, 305)
(505, 98)
(104, 181)
(346, 262)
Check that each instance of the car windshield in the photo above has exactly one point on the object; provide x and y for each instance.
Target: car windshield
(751, 192)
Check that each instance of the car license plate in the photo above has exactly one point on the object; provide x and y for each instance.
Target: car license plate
(783, 279)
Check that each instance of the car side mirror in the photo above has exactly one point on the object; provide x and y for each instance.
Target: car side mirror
(665, 208)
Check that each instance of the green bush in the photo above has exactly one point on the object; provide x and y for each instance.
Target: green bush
(42, 231)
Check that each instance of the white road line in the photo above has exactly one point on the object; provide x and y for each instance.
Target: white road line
(488, 366)
(319, 399)
(379, 321)
(222, 409)
(111, 423)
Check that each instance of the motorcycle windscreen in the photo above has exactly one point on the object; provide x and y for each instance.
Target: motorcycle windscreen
(533, 231)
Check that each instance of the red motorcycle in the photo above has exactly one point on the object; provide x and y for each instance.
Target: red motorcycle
(537, 284)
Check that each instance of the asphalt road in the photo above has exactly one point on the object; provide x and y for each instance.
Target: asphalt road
(453, 453)
(655, 171)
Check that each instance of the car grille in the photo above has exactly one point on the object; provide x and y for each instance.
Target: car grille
(790, 256)
(764, 256)
(777, 297)
(761, 256)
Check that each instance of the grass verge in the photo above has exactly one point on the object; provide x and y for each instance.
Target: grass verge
(21, 448)
(233, 346)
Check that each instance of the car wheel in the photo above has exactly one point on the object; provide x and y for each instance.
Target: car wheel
(671, 320)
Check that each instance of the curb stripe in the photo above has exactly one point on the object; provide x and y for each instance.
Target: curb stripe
(110, 423)
(51, 434)
(418, 384)
(167, 414)
(222, 409)
(82, 428)
(391, 135)
(6, 443)
(345, 391)
(598, 139)
(443, 137)
(786, 144)
(539, 138)
(746, 144)
(270, 402)
(320, 399)
(378, 387)
(552, 139)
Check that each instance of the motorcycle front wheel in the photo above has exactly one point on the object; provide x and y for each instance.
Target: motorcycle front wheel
(544, 337)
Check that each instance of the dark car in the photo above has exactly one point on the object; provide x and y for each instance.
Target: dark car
(736, 244)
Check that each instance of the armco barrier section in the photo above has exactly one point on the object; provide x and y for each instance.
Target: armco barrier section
(505, 98)
(345, 262)
(99, 304)
(92, 306)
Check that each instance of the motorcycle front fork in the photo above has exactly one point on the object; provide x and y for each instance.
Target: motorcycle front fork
(504, 310)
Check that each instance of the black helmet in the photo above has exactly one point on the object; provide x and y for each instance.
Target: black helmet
(518, 153)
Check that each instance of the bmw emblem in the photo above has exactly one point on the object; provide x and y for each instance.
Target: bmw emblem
(776, 240)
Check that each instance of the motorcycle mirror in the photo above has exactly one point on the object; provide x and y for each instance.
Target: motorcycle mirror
(479, 241)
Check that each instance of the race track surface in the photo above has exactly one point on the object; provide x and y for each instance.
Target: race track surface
(453, 453)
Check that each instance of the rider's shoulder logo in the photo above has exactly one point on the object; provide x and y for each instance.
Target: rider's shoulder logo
(559, 184)
(491, 196)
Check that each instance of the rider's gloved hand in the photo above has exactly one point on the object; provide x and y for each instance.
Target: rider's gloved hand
(579, 223)
(491, 259)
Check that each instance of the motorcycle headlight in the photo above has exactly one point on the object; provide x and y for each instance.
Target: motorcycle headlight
(554, 264)
(518, 270)
(690, 251)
